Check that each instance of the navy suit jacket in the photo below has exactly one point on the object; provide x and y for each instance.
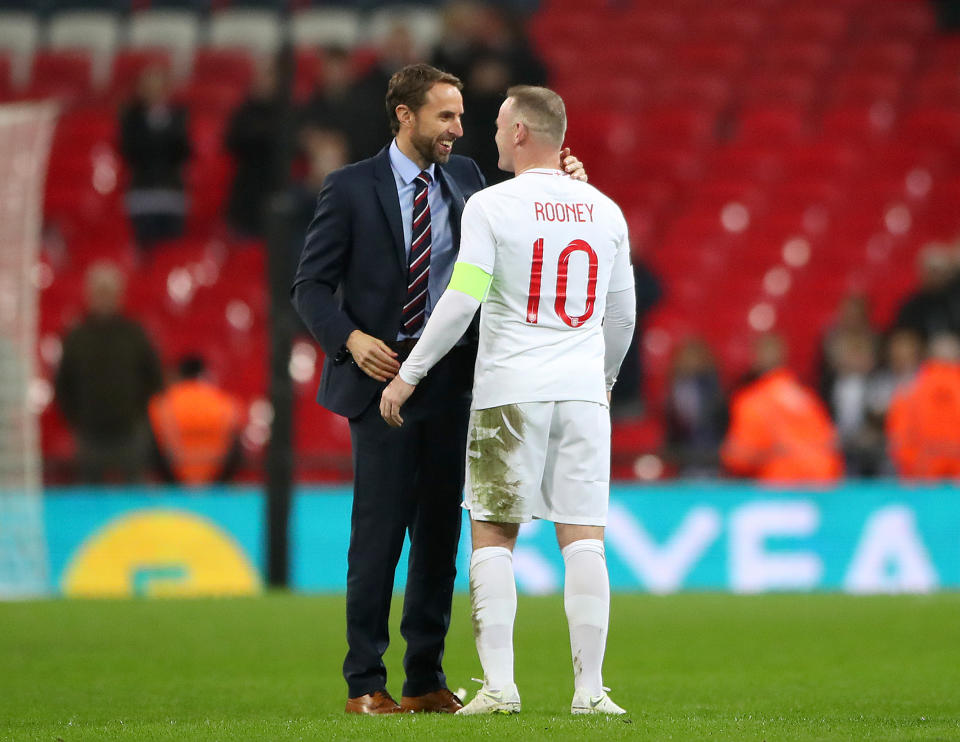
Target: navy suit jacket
(353, 268)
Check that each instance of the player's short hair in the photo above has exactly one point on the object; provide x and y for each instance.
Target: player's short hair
(541, 109)
(409, 87)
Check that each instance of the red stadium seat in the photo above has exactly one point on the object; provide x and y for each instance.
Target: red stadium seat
(821, 160)
(675, 164)
(677, 125)
(943, 52)
(824, 23)
(885, 56)
(866, 87)
(911, 21)
(705, 89)
(729, 23)
(938, 87)
(859, 122)
(648, 23)
(61, 74)
(795, 89)
(232, 67)
(796, 56)
(773, 125)
(745, 161)
(725, 58)
(210, 97)
(932, 126)
(625, 92)
(601, 133)
(306, 73)
(6, 79)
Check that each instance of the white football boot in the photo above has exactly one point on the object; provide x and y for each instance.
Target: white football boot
(584, 703)
(505, 701)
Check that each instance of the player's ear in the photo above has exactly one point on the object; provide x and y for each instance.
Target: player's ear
(520, 132)
(405, 115)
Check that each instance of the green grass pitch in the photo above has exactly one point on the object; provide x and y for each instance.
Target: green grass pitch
(687, 667)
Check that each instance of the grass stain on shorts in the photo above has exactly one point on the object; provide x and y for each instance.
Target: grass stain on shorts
(496, 433)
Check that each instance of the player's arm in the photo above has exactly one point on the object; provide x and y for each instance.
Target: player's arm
(467, 289)
(620, 316)
(449, 320)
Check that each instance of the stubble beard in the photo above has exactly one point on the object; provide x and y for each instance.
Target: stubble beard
(429, 150)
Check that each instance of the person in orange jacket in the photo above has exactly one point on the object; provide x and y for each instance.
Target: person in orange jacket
(196, 427)
(923, 424)
(780, 431)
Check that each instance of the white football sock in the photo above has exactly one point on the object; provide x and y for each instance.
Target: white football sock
(586, 597)
(493, 599)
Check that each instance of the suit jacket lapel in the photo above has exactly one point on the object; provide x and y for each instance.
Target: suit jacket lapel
(386, 188)
(456, 201)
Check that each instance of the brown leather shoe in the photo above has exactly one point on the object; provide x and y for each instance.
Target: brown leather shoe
(378, 702)
(439, 702)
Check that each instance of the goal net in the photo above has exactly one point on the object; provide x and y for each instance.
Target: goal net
(25, 134)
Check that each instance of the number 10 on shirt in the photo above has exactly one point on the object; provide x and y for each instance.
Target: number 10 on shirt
(563, 262)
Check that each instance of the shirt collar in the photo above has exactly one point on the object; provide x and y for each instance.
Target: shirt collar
(543, 171)
(406, 168)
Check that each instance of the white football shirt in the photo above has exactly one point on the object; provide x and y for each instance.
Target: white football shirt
(555, 246)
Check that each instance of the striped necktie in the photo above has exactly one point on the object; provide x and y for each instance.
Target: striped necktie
(418, 270)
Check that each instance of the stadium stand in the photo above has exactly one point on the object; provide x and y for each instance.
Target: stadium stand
(797, 151)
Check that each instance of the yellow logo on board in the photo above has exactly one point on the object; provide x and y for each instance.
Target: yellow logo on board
(160, 553)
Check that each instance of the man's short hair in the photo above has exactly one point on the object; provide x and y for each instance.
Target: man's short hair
(409, 87)
(541, 110)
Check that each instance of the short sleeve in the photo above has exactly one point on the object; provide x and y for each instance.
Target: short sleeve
(477, 243)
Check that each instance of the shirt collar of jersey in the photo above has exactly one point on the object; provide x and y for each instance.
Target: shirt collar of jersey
(543, 171)
(406, 168)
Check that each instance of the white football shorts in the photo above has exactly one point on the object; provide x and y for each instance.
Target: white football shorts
(547, 460)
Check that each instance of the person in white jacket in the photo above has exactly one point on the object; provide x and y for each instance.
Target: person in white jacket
(548, 258)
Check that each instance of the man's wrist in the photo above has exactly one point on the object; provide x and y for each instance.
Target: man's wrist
(406, 376)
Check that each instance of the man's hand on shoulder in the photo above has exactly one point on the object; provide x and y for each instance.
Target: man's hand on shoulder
(571, 165)
(373, 356)
(397, 392)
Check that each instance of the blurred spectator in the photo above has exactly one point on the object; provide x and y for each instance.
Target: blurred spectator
(348, 103)
(251, 139)
(196, 428)
(107, 374)
(471, 29)
(902, 355)
(924, 421)
(855, 398)
(853, 317)
(155, 145)
(397, 49)
(779, 429)
(627, 398)
(462, 31)
(487, 50)
(696, 410)
(324, 150)
(935, 307)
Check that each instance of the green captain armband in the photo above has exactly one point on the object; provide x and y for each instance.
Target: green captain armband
(470, 280)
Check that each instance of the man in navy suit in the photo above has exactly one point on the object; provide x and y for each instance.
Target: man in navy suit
(378, 254)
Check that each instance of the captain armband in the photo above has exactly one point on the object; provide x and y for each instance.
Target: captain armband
(470, 280)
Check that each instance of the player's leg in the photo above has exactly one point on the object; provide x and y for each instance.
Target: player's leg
(586, 599)
(505, 455)
(576, 487)
(493, 604)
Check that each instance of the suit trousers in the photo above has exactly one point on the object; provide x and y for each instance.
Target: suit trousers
(407, 480)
